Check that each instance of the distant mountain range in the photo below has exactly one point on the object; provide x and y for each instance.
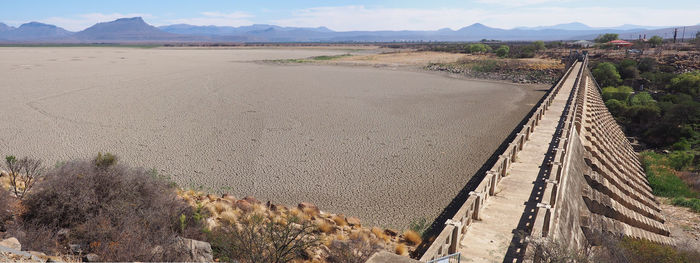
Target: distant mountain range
(136, 30)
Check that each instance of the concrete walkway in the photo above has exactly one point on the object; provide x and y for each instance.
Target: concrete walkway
(489, 239)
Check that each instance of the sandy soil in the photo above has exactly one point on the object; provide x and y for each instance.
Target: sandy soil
(388, 146)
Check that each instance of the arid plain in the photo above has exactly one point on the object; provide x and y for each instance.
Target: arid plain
(388, 146)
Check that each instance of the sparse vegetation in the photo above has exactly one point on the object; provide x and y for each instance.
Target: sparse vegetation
(419, 225)
(655, 41)
(23, 173)
(502, 51)
(117, 212)
(662, 178)
(5, 205)
(605, 38)
(611, 250)
(412, 237)
(692, 203)
(262, 238)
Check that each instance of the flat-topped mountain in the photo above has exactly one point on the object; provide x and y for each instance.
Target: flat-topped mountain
(124, 29)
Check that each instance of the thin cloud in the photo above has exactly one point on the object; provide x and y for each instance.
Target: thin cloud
(80, 22)
(518, 3)
(346, 18)
(216, 19)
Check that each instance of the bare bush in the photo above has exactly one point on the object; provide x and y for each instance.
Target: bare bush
(23, 174)
(356, 250)
(117, 212)
(258, 238)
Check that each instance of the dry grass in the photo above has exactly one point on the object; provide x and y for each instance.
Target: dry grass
(310, 212)
(412, 237)
(380, 234)
(326, 227)
(340, 220)
(401, 250)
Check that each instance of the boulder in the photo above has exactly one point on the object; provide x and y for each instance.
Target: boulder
(353, 221)
(12, 243)
(244, 205)
(92, 257)
(76, 248)
(304, 206)
(196, 251)
(229, 197)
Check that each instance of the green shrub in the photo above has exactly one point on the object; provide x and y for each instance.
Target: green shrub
(539, 45)
(688, 83)
(682, 145)
(105, 160)
(606, 38)
(656, 41)
(479, 48)
(679, 160)
(644, 251)
(642, 99)
(621, 93)
(606, 74)
(488, 65)
(616, 107)
(502, 51)
(662, 179)
(692, 203)
(419, 225)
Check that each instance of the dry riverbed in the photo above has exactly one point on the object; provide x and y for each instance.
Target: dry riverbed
(388, 146)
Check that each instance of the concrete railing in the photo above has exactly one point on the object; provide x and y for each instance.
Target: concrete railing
(455, 228)
(545, 216)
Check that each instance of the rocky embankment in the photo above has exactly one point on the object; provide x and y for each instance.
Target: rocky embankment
(503, 73)
(330, 228)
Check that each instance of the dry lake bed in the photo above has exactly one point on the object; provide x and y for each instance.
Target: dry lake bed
(388, 146)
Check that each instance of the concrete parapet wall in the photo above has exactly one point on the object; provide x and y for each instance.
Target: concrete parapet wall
(455, 229)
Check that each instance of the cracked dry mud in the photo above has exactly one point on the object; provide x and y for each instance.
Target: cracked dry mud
(387, 146)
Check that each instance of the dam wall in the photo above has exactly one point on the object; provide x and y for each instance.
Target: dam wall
(585, 183)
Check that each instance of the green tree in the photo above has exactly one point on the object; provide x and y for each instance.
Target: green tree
(642, 99)
(606, 74)
(629, 72)
(656, 41)
(478, 48)
(616, 107)
(539, 45)
(621, 93)
(688, 83)
(502, 51)
(605, 38)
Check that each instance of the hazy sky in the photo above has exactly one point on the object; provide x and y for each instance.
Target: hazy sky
(355, 15)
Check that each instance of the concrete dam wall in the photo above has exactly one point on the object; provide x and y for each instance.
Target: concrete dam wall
(569, 176)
